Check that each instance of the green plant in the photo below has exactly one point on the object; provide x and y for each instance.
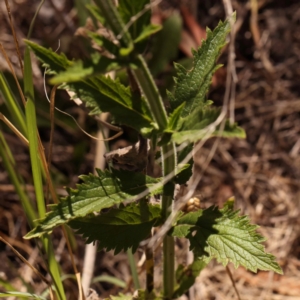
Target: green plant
(213, 233)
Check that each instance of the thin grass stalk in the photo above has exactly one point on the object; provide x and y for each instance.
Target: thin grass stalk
(37, 170)
(11, 168)
(13, 107)
(132, 264)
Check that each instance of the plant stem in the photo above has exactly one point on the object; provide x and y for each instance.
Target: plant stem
(169, 165)
(151, 93)
(155, 102)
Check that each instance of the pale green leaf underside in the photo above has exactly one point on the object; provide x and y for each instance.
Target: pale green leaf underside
(120, 228)
(224, 235)
(74, 73)
(196, 126)
(196, 135)
(191, 86)
(95, 194)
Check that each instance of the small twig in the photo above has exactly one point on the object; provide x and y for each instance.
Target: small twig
(34, 18)
(14, 129)
(52, 106)
(257, 38)
(110, 126)
(21, 257)
(15, 36)
(13, 74)
(231, 79)
(233, 283)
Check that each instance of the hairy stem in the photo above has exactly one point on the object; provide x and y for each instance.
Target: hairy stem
(154, 100)
(151, 93)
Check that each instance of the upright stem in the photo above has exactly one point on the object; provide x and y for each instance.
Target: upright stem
(146, 82)
(154, 100)
(169, 164)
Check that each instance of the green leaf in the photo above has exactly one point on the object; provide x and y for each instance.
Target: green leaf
(76, 72)
(195, 127)
(174, 118)
(120, 228)
(129, 9)
(199, 119)
(230, 131)
(104, 43)
(147, 32)
(99, 92)
(173, 122)
(103, 94)
(56, 62)
(222, 234)
(93, 195)
(191, 86)
(186, 276)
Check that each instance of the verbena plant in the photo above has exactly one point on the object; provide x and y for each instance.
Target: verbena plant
(129, 216)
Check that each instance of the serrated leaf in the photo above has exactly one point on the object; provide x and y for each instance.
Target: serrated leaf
(199, 119)
(120, 228)
(186, 276)
(100, 93)
(222, 234)
(74, 73)
(95, 194)
(173, 123)
(191, 86)
(103, 94)
(174, 119)
(230, 131)
(56, 62)
(195, 126)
